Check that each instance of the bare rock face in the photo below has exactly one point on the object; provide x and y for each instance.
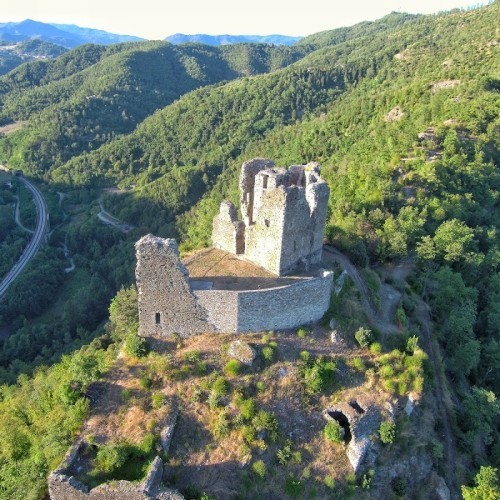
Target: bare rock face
(242, 351)
(394, 115)
(439, 487)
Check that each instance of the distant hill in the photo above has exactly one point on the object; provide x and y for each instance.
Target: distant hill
(230, 39)
(97, 36)
(12, 55)
(68, 36)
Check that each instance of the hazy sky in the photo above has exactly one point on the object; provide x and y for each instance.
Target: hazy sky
(155, 19)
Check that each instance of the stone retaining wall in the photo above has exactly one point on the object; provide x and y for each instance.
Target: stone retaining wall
(272, 309)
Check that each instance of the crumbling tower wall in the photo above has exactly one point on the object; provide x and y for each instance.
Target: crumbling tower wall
(166, 303)
(284, 214)
(228, 233)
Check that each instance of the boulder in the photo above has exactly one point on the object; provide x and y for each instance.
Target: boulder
(242, 351)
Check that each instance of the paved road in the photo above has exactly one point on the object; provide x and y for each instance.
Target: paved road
(37, 239)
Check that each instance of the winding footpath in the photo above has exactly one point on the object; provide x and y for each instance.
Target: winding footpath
(443, 402)
(30, 251)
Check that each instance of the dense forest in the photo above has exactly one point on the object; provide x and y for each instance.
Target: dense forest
(402, 114)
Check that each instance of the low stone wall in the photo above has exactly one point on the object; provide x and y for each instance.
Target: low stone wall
(272, 309)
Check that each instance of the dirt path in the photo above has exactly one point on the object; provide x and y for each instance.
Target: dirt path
(373, 315)
(441, 394)
(442, 400)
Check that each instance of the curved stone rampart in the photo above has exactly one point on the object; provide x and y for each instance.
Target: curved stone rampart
(278, 308)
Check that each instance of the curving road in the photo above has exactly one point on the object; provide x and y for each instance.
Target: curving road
(37, 239)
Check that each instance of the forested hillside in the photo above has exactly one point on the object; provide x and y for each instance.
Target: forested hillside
(403, 114)
(93, 94)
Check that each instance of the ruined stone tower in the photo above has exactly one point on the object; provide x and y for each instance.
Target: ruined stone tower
(284, 214)
(166, 303)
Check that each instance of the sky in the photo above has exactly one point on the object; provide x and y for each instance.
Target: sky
(156, 19)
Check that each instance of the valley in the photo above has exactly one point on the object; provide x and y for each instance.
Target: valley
(139, 138)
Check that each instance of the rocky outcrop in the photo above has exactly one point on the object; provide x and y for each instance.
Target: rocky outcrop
(242, 351)
(360, 421)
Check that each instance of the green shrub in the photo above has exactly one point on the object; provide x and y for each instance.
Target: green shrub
(333, 431)
(358, 364)
(260, 385)
(158, 400)
(249, 434)
(302, 332)
(221, 425)
(364, 337)
(399, 486)
(293, 487)
(232, 368)
(411, 344)
(329, 482)
(247, 409)
(112, 457)
(304, 355)
(376, 348)
(366, 479)
(284, 454)
(145, 381)
(266, 421)
(126, 394)
(318, 375)
(192, 356)
(387, 431)
(268, 353)
(136, 346)
(259, 468)
(219, 389)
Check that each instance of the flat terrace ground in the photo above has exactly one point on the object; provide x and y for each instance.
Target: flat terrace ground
(218, 270)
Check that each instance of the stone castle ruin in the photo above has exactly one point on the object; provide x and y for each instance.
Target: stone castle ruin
(284, 214)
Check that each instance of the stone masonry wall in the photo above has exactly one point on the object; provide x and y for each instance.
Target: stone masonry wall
(284, 214)
(272, 309)
(263, 239)
(228, 233)
(166, 303)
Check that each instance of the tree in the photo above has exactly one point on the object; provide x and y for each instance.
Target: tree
(487, 485)
(123, 311)
(453, 241)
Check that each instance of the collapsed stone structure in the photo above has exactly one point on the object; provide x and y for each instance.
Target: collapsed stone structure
(284, 214)
(360, 421)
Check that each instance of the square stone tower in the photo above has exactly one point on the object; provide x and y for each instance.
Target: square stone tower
(284, 215)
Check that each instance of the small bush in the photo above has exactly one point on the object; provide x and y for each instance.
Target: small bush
(126, 394)
(145, 381)
(304, 355)
(399, 486)
(364, 337)
(376, 348)
(247, 409)
(302, 332)
(358, 364)
(293, 487)
(411, 344)
(260, 385)
(112, 457)
(318, 375)
(268, 353)
(387, 431)
(333, 431)
(366, 480)
(136, 346)
(158, 400)
(284, 454)
(259, 468)
(192, 356)
(266, 421)
(232, 368)
(329, 482)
